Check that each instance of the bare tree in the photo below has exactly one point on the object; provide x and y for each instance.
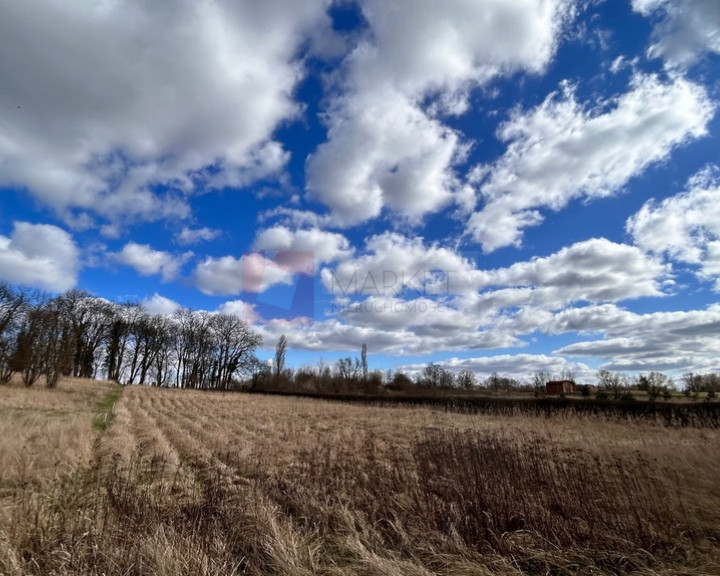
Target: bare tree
(29, 350)
(56, 343)
(74, 308)
(435, 376)
(493, 382)
(348, 368)
(120, 334)
(693, 382)
(364, 361)
(279, 362)
(466, 379)
(612, 382)
(567, 374)
(191, 346)
(540, 379)
(43, 344)
(164, 359)
(235, 345)
(12, 309)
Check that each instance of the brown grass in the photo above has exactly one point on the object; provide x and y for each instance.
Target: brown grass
(46, 433)
(198, 483)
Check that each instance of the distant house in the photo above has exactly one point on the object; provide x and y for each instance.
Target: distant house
(560, 387)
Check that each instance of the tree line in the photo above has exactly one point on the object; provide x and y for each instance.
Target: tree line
(352, 375)
(79, 335)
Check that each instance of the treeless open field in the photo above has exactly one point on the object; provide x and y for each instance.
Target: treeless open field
(186, 482)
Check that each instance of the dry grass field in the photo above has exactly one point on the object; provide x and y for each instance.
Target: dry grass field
(184, 482)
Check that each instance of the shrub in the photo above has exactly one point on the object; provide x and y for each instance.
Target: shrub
(602, 395)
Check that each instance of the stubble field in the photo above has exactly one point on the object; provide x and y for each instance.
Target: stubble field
(182, 482)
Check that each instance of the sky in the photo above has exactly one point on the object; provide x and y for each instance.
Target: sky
(508, 187)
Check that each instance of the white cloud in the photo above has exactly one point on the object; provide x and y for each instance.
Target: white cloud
(148, 262)
(685, 31)
(385, 147)
(686, 227)
(243, 310)
(337, 335)
(434, 298)
(421, 45)
(492, 309)
(669, 341)
(195, 235)
(160, 305)
(296, 218)
(394, 264)
(535, 295)
(321, 247)
(595, 270)
(107, 102)
(383, 151)
(521, 367)
(563, 150)
(666, 341)
(251, 272)
(421, 315)
(39, 255)
(621, 62)
(291, 252)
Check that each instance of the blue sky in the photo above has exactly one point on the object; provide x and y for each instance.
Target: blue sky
(500, 186)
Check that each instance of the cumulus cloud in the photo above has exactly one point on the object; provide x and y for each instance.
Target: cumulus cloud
(319, 246)
(532, 296)
(667, 341)
(387, 147)
(335, 334)
(383, 151)
(433, 298)
(252, 272)
(296, 218)
(195, 235)
(424, 316)
(160, 305)
(595, 270)
(393, 264)
(397, 267)
(521, 367)
(685, 227)
(279, 254)
(674, 341)
(39, 255)
(563, 150)
(685, 29)
(148, 262)
(106, 111)
(494, 309)
(243, 310)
